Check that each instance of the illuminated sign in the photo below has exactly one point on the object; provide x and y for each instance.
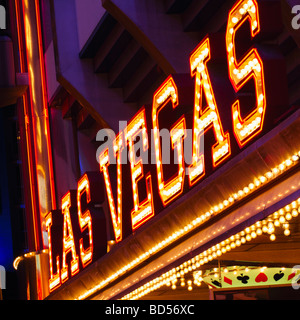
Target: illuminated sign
(141, 211)
(172, 188)
(250, 66)
(245, 277)
(205, 119)
(77, 233)
(234, 93)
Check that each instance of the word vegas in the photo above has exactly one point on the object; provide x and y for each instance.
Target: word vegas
(233, 94)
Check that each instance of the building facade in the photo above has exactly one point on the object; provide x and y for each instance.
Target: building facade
(160, 148)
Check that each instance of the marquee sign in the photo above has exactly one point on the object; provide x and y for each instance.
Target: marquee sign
(234, 93)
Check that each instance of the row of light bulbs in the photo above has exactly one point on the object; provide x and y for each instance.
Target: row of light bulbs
(170, 278)
(257, 183)
(216, 273)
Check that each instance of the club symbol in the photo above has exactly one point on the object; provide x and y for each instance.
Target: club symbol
(243, 279)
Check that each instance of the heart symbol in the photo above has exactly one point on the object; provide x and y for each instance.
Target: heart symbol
(261, 278)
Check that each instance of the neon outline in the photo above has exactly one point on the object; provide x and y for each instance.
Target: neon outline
(85, 220)
(168, 92)
(144, 211)
(239, 73)
(204, 120)
(68, 241)
(116, 215)
(54, 280)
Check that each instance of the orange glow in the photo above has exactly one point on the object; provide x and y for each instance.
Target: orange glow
(39, 121)
(171, 189)
(251, 66)
(45, 105)
(54, 281)
(27, 132)
(68, 241)
(144, 211)
(116, 214)
(85, 220)
(203, 120)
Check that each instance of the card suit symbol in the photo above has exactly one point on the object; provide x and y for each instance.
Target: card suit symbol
(262, 277)
(216, 283)
(278, 276)
(243, 278)
(227, 280)
(291, 276)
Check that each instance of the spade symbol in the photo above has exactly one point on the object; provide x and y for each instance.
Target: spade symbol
(243, 278)
(216, 283)
(278, 276)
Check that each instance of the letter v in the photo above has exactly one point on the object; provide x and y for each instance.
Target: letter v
(116, 214)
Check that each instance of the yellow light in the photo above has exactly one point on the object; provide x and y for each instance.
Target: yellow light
(205, 118)
(245, 129)
(116, 213)
(194, 260)
(288, 216)
(85, 220)
(16, 262)
(294, 213)
(172, 188)
(68, 241)
(142, 212)
(198, 221)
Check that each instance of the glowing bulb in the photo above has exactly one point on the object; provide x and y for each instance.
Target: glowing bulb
(281, 219)
(235, 20)
(259, 232)
(288, 216)
(253, 235)
(294, 213)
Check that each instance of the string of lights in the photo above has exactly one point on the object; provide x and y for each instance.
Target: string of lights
(236, 197)
(268, 226)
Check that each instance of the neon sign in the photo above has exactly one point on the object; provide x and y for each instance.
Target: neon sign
(116, 214)
(205, 119)
(141, 211)
(77, 233)
(251, 66)
(171, 189)
(154, 187)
